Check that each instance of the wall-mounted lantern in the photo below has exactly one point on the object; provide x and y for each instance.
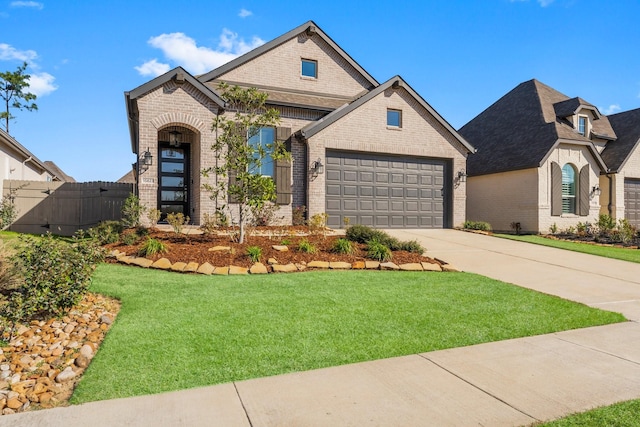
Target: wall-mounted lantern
(146, 160)
(462, 175)
(317, 168)
(175, 138)
(595, 191)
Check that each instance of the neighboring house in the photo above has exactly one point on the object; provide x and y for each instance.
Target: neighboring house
(128, 178)
(546, 160)
(18, 163)
(59, 173)
(623, 159)
(374, 153)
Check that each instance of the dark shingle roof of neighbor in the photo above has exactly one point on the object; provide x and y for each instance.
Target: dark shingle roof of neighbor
(627, 127)
(58, 172)
(519, 130)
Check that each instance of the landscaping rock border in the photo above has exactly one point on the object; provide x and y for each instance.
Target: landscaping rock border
(273, 266)
(42, 363)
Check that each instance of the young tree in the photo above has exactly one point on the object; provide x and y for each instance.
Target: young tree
(12, 86)
(238, 162)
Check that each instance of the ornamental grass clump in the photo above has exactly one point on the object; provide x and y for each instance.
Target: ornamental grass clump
(152, 247)
(378, 251)
(343, 246)
(307, 247)
(254, 253)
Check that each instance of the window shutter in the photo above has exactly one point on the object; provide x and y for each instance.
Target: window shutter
(283, 170)
(556, 189)
(583, 190)
(283, 182)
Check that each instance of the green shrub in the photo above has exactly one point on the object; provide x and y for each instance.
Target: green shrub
(177, 221)
(142, 231)
(307, 247)
(151, 247)
(286, 241)
(378, 251)
(153, 215)
(318, 223)
(343, 246)
(553, 228)
(254, 253)
(606, 223)
(54, 275)
(131, 211)
(106, 232)
(625, 231)
(363, 234)
(8, 211)
(412, 246)
(477, 225)
(129, 238)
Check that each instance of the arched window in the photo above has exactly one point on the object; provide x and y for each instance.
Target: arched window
(568, 189)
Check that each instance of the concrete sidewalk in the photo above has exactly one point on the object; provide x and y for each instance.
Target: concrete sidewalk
(507, 383)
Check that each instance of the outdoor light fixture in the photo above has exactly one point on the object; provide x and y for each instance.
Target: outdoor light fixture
(146, 159)
(175, 138)
(595, 191)
(317, 168)
(462, 176)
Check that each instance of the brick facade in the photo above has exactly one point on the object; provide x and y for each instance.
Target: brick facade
(183, 105)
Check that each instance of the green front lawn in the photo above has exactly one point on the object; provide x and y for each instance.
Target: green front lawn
(625, 414)
(177, 331)
(624, 254)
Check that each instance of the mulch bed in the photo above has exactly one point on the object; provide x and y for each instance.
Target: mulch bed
(195, 247)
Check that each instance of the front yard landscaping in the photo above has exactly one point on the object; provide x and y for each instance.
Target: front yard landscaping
(177, 331)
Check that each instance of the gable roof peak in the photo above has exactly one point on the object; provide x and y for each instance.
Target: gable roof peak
(310, 28)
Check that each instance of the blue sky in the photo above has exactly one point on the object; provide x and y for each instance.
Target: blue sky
(461, 56)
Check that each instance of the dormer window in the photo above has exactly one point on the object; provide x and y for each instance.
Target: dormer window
(583, 123)
(310, 68)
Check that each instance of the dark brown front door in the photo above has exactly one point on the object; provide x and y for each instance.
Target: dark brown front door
(173, 188)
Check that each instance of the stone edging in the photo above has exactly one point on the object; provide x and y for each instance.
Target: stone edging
(259, 268)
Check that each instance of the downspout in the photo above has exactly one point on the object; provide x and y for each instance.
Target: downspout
(610, 204)
(24, 163)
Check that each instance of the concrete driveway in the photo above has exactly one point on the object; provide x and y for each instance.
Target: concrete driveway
(596, 281)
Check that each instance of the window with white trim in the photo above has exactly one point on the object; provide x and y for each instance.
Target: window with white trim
(568, 189)
(583, 124)
(309, 68)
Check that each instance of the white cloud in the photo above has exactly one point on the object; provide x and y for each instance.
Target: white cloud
(8, 52)
(181, 49)
(41, 84)
(545, 3)
(32, 4)
(244, 13)
(152, 68)
(611, 109)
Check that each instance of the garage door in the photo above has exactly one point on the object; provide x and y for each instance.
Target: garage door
(632, 201)
(385, 191)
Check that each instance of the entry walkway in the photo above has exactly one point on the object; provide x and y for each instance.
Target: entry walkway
(507, 383)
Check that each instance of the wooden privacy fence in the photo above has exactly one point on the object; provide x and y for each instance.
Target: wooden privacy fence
(63, 208)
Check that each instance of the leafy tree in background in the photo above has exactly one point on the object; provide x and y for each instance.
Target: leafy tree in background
(239, 162)
(12, 86)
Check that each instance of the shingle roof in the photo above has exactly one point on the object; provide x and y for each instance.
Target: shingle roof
(59, 173)
(520, 129)
(279, 96)
(627, 128)
(397, 82)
